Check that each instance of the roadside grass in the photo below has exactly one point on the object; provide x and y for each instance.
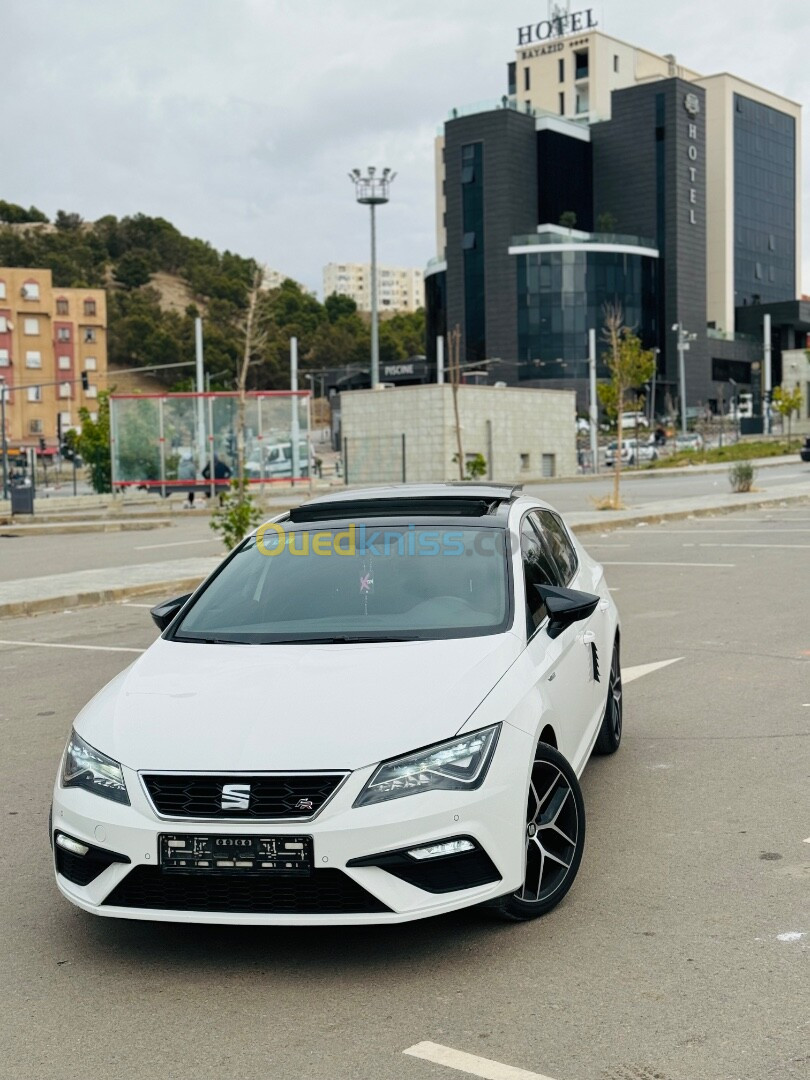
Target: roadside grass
(741, 451)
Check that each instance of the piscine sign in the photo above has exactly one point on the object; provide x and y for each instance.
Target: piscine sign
(558, 26)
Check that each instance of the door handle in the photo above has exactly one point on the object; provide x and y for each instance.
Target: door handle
(588, 637)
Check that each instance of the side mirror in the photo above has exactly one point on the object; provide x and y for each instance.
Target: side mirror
(165, 612)
(565, 607)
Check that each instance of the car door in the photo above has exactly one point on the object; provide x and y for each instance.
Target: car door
(557, 665)
(590, 637)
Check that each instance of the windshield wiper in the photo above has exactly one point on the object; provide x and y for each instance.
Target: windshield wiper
(211, 641)
(362, 639)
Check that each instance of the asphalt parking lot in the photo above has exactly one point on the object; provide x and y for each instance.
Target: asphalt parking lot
(681, 953)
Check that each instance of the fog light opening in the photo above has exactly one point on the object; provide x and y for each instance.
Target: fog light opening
(435, 851)
(69, 844)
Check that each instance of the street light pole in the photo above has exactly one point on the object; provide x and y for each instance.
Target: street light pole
(684, 339)
(373, 191)
(593, 407)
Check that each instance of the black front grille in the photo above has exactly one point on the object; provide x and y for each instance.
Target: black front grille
(326, 892)
(271, 797)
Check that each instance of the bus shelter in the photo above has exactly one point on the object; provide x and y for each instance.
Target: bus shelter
(188, 442)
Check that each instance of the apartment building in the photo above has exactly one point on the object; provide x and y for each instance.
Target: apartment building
(398, 289)
(49, 339)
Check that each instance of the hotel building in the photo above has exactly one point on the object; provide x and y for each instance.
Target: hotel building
(607, 173)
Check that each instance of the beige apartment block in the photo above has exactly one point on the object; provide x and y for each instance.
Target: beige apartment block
(49, 337)
(399, 289)
(274, 279)
(409, 433)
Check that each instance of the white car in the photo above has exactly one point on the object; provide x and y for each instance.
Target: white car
(376, 709)
(278, 462)
(632, 420)
(632, 450)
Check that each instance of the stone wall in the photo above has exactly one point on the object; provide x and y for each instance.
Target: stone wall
(518, 432)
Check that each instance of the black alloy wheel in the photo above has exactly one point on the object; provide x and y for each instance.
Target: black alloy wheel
(555, 837)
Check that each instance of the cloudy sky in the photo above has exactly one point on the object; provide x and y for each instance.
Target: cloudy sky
(238, 119)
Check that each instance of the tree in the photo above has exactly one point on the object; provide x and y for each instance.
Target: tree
(69, 222)
(606, 222)
(630, 366)
(11, 214)
(94, 444)
(132, 270)
(568, 219)
(787, 402)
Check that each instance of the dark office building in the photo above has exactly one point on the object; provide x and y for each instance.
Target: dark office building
(548, 219)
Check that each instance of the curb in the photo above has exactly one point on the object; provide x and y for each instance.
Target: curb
(683, 515)
(63, 528)
(96, 597)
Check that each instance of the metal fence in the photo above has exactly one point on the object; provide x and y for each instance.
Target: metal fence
(189, 441)
(379, 459)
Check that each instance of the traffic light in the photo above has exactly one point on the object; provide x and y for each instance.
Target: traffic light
(85, 381)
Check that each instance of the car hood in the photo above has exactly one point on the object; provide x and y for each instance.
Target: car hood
(278, 707)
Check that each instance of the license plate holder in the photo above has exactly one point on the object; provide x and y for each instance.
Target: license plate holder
(264, 855)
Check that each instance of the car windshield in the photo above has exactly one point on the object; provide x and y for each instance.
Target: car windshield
(364, 582)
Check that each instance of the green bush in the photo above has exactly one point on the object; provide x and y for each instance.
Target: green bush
(741, 476)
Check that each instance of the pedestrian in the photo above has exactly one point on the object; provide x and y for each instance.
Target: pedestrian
(187, 470)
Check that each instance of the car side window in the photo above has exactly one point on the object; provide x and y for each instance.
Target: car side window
(559, 543)
(538, 569)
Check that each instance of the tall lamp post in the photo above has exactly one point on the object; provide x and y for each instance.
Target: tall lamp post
(684, 344)
(372, 191)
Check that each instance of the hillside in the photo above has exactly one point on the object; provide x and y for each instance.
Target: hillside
(159, 281)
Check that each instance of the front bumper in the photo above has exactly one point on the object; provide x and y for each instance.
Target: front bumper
(491, 816)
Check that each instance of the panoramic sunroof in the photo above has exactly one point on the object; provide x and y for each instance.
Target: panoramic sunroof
(395, 507)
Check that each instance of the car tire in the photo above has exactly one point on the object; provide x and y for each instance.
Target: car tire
(610, 733)
(555, 838)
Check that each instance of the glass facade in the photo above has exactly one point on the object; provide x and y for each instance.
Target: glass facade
(472, 202)
(561, 296)
(764, 204)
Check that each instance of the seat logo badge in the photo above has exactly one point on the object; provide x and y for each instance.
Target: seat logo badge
(305, 804)
(235, 796)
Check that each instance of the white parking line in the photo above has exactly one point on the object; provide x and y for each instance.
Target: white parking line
(58, 645)
(719, 532)
(689, 565)
(127, 603)
(176, 543)
(782, 547)
(470, 1063)
(630, 674)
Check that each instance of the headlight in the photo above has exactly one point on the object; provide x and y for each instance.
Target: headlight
(88, 768)
(458, 765)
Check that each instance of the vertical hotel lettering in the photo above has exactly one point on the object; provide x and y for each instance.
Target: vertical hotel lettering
(692, 105)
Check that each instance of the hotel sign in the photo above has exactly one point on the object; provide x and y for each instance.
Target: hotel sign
(558, 26)
(692, 105)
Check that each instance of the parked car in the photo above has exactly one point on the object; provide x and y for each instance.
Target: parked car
(632, 420)
(632, 450)
(804, 453)
(278, 461)
(376, 709)
(693, 440)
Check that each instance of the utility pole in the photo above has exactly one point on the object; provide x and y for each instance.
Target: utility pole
(454, 348)
(294, 432)
(198, 347)
(593, 409)
(439, 359)
(768, 387)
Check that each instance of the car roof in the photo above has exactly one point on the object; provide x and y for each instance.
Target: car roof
(398, 500)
